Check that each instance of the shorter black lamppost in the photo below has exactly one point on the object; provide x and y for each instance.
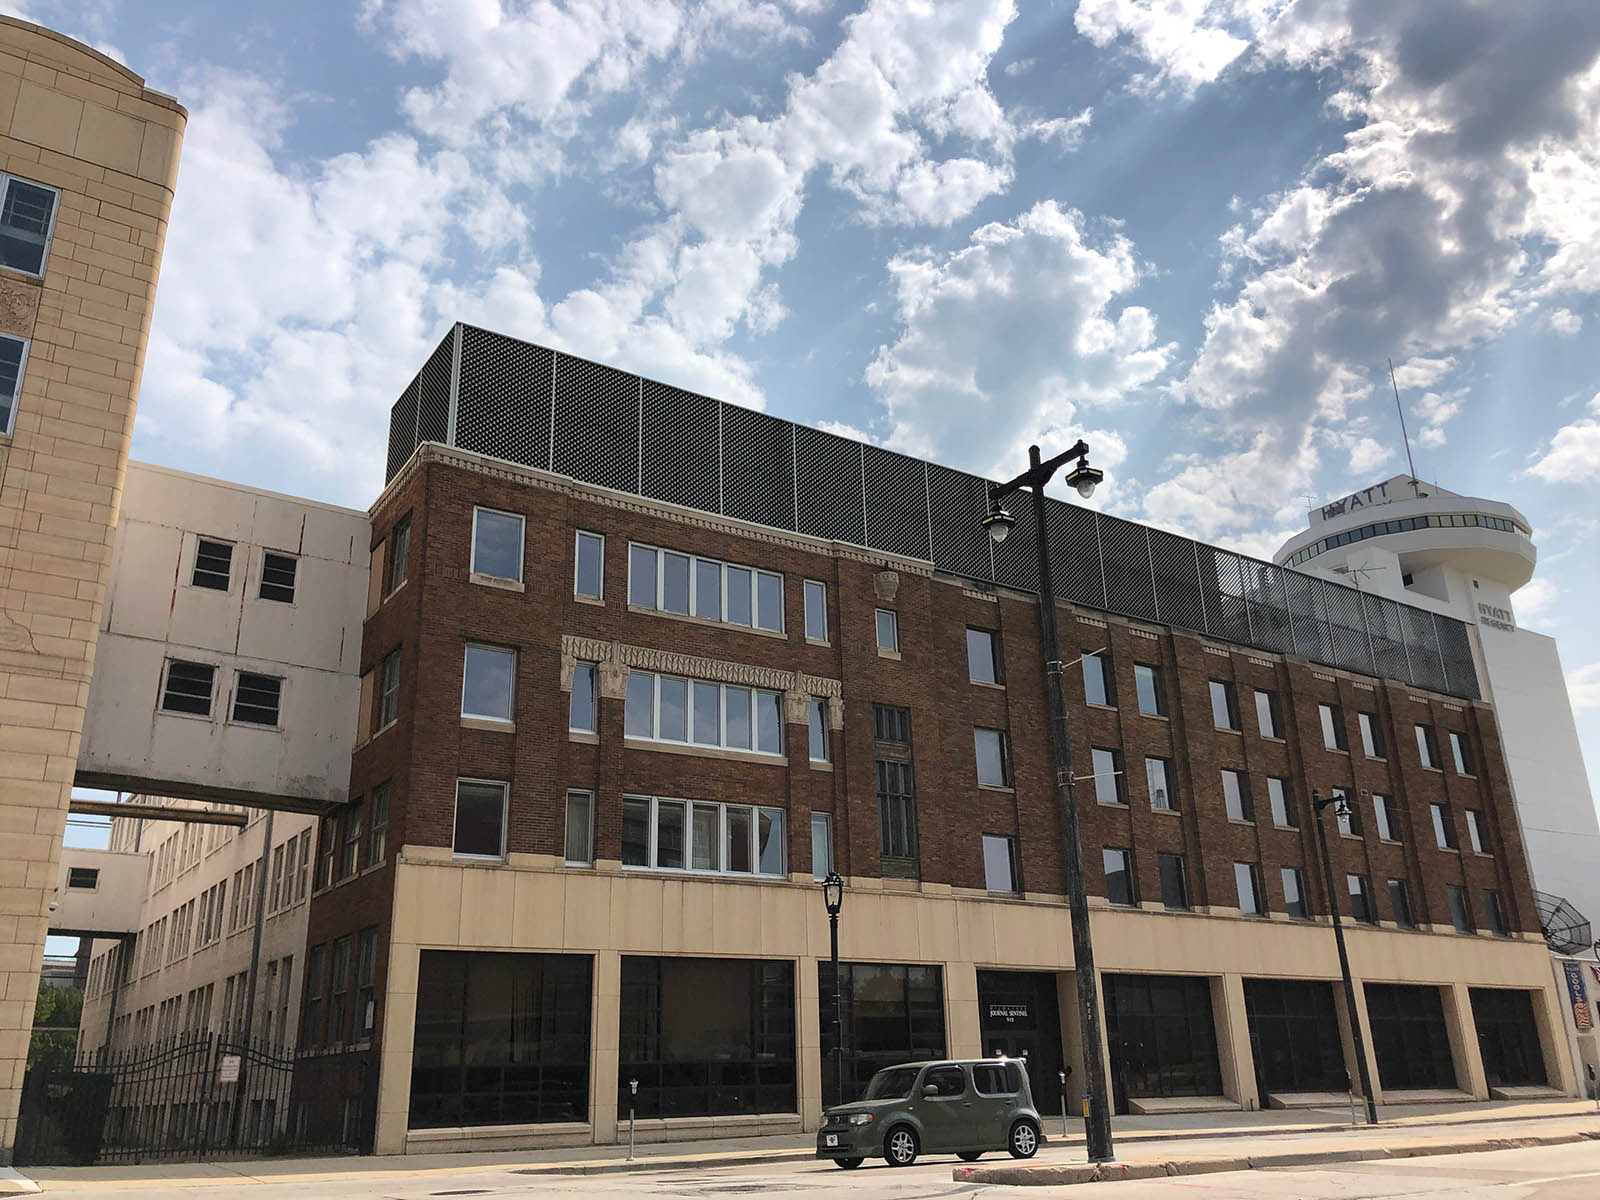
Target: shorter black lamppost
(833, 899)
(1341, 808)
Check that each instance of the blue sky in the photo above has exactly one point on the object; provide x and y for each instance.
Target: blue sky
(1190, 230)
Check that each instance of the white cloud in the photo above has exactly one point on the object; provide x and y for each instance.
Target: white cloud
(1225, 493)
(1565, 322)
(1008, 336)
(1535, 598)
(1574, 453)
(1583, 687)
(1190, 42)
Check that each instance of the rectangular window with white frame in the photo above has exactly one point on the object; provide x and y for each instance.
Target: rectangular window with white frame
(389, 689)
(1236, 796)
(1109, 785)
(666, 834)
(1224, 705)
(821, 845)
(497, 539)
(1477, 831)
(993, 757)
(487, 683)
(1157, 777)
(983, 656)
(816, 600)
(188, 687)
(580, 707)
(1267, 714)
(1371, 735)
(278, 571)
(696, 712)
(1332, 718)
(1283, 812)
(589, 566)
(1387, 818)
(256, 699)
(27, 223)
(888, 622)
(13, 362)
(820, 751)
(1460, 752)
(1000, 863)
(480, 821)
(671, 581)
(1247, 880)
(580, 829)
(1444, 830)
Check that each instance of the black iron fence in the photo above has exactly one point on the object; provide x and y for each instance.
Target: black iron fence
(194, 1096)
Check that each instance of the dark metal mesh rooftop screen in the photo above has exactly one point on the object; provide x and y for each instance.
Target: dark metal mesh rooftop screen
(545, 409)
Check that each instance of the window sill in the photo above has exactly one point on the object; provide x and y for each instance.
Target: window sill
(1290, 828)
(752, 756)
(1336, 750)
(494, 581)
(1482, 854)
(384, 728)
(390, 595)
(984, 683)
(1101, 707)
(1391, 841)
(1447, 849)
(820, 766)
(1383, 758)
(206, 717)
(592, 600)
(689, 872)
(996, 787)
(707, 622)
(486, 859)
(1228, 729)
(1352, 837)
(894, 654)
(1272, 737)
(583, 736)
(1166, 812)
(1112, 804)
(1245, 821)
(1435, 770)
(1155, 716)
(811, 641)
(488, 725)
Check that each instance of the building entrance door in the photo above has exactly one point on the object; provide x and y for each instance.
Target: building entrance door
(1020, 1018)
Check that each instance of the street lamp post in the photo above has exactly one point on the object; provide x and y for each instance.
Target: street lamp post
(1083, 477)
(1342, 808)
(833, 899)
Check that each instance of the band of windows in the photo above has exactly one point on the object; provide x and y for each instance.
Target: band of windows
(1403, 525)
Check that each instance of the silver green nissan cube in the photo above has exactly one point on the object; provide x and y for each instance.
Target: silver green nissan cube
(961, 1107)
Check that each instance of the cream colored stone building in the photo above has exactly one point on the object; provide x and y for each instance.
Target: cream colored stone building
(89, 156)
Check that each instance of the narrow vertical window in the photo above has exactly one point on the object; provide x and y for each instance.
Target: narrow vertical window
(486, 683)
(377, 825)
(580, 829)
(888, 631)
(983, 659)
(821, 845)
(1174, 881)
(1109, 787)
(1347, 816)
(994, 759)
(1444, 830)
(1496, 914)
(1383, 813)
(1400, 902)
(1460, 908)
(580, 707)
(1294, 893)
(1371, 735)
(769, 601)
(1097, 680)
(389, 690)
(1427, 751)
(816, 597)
(1283, 813)
(1161, 797)
(589, 569)
(27, 216)
(999, 863)
(1459, 752)
(1236, 796)
(1224, 707)
(819, 730)
(1332, 726)
(1477, 831)
(1247, 880)
(1360, 899)
(399, 553)
(1147, 683)
(1118, 863)
(1267, 714)
(641, 576)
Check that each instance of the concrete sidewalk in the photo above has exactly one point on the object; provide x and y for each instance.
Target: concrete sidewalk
(1185, 1134)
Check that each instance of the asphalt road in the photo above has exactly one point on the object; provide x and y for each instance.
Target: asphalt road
(1569, 1172)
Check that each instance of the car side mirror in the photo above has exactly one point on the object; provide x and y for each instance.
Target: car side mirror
(930, 1091)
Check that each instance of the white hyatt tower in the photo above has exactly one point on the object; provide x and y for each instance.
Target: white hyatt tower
(1465, 556)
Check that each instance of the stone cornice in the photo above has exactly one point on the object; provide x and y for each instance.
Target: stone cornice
(467, 460)
(575, 648)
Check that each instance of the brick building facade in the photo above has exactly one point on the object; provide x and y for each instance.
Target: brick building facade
(605, 739)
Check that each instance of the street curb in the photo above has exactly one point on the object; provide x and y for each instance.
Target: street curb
(1054, 1176)
(14, 1183)
(738, 1158)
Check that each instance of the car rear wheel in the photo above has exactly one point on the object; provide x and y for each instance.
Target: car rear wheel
(969, 1155)
(900, 1147)
(849, 1164)
(1024, 1139)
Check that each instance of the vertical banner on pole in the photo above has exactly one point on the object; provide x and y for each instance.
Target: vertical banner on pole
(1579, 995)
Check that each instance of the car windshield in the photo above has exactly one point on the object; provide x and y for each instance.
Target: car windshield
(893, 1084)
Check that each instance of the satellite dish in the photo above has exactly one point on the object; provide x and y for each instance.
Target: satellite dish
(1565, 929)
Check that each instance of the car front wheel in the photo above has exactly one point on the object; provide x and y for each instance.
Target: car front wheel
(900, 1147)
(849, 1164)
(1024, 1139)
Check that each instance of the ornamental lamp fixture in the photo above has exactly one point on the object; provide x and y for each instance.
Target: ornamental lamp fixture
(833, 893)
(998, 522)
(1083, 478)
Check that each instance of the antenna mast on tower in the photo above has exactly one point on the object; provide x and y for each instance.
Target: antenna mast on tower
(1411, 466)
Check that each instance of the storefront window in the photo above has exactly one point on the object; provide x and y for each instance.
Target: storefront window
(1409, 1038)
(707, 1037)
(1162, 1035)
(892, 1014)
(501, 1039)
